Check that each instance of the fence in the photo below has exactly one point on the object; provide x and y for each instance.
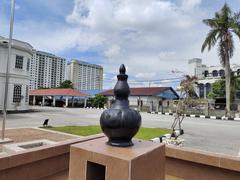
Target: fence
(197, 107)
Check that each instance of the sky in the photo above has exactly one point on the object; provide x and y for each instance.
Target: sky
(151, 37)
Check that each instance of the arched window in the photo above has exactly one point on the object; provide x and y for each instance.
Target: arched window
(206, 73)
(222, 73)
(208, 88)
(201, 90)
(17, 93)
(214, 73)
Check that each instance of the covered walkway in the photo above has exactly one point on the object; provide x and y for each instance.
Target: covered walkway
(57, 97)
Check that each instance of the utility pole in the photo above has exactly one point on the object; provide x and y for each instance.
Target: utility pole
(7, 69)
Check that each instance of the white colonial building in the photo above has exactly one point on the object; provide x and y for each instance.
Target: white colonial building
(46, 70)
(207, 75)
(85, 76)
(19, 76)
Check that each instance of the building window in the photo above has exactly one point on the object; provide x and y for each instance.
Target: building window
(19, 62)
(17, 93)
(206, 73)
(26, 94)
(238, 95)
(201, 90)
(28, 64)
(214, 73)
(222, 73)
(208, 88)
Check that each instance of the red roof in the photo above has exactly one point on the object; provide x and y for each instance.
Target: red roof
(143, 91)
(57, 92)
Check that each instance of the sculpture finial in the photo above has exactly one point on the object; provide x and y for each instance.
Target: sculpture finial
(122, 69)
(120, 123)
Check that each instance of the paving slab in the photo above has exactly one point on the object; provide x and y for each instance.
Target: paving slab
(30, 134)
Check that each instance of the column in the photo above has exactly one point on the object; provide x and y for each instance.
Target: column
(157, 106)
(72, 101)
(43, 100)
(54, 101)
(205, 91)
(151, 106)
(162, 105)
(34, 100)
(139, 103)
(66, 105)
(85, 102)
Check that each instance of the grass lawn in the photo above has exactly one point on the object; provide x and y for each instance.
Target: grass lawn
(143, 133)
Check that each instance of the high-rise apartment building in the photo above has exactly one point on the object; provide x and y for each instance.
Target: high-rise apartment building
(85, 76)
(46, 70)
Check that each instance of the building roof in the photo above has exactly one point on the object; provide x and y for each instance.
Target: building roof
(143, 91)
(92, 92)
(84, 63)
(17, 44)
(57, 92)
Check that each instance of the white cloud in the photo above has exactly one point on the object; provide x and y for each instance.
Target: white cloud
(152, 37)
(136, 26)
(113, 52)
(58, 38)
(190, 4)
(150, 75)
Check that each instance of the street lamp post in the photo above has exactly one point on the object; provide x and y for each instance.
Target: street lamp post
(7, 69)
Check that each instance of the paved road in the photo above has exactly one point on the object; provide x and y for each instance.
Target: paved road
(210, 135)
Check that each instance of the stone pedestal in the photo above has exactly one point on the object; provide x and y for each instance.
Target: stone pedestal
(94, 160)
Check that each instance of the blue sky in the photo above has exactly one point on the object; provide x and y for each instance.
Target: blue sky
(152, 37)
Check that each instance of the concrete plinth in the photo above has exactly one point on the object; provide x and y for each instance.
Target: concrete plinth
(5, 141)
(94, 160)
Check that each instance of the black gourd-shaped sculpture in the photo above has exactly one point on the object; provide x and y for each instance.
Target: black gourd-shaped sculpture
(120, 123)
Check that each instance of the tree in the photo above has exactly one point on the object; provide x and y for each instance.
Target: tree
(235, 86)
(219, 90)
(187, 86)
(223, 26)
(187, 93)
(186, 96)
(66, 84)
(98, 101)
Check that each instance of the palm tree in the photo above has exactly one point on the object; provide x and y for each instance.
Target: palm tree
(223, 26)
